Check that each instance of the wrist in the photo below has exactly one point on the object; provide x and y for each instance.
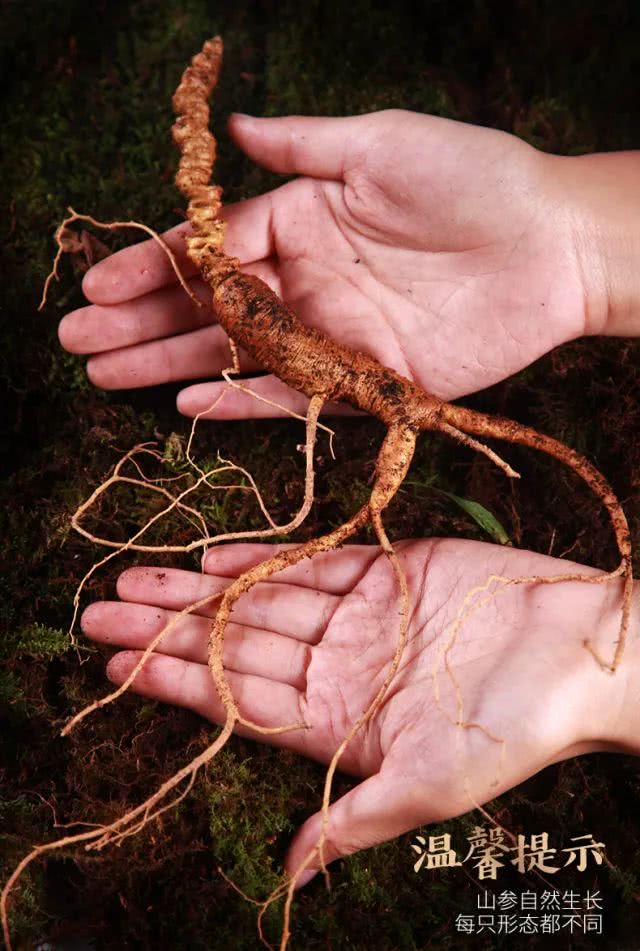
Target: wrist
(601, 195)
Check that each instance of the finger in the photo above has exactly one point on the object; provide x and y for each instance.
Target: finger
(183, 684)
(203, 352)
(140, 358)
(247, 650)
(283, 609)
(161, 313)
(137, 270)
(249, 232)
(264, 397)
(335, 572)
(145, 267)
(303, 145)
(378, 809)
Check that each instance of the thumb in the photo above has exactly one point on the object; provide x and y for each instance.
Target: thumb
(303, 145)
(377, 810)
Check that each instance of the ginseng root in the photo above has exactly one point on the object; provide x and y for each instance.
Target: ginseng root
(256, 319)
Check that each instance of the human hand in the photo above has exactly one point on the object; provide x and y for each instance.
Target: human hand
(315, 643)
(448, 251)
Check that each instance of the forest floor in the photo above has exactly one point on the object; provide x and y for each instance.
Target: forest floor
(86, 113)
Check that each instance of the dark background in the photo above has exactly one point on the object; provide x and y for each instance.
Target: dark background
(85, 118)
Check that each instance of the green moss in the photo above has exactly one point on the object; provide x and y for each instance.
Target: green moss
(11, 692)
(248, 814)
(42, 642)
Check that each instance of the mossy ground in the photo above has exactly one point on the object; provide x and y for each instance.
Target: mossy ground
(85, 120)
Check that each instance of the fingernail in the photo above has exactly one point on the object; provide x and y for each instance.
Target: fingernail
(306, 877)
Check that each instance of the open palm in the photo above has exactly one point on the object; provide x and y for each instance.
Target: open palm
(445, 251)
(440, 248)
(315, 643)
